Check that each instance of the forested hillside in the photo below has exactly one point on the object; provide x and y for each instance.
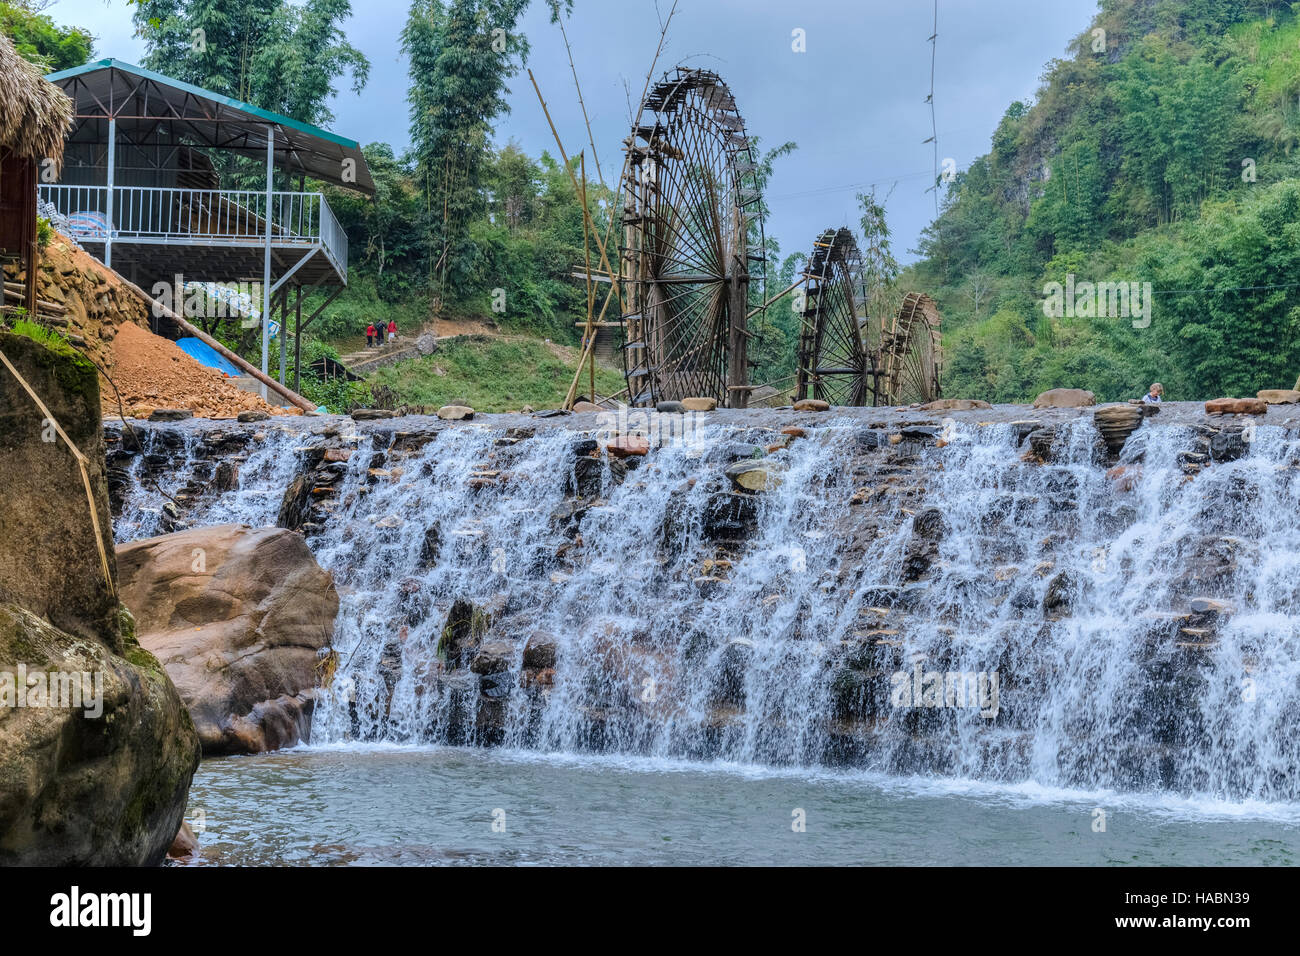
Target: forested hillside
(1162, 149)
(1159, 151)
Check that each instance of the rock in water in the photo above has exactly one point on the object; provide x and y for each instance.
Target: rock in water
(456, 413)
(371, 414)
(954, 405)
(1065, 398)
(1278, 396)
(755, 475)
(627, 446)
(252, 415)
(700, 404)
(812, 405)
(170, 414)
(541, 651)
(1116, 423)
(670, 408)
(237, 616)
(185, 847)
(1236, 406)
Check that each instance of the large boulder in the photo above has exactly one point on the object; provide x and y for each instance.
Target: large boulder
(1065, 398)
(90, 775)
(49, 563)
(97, 750)
(237, 616)
(1278, 396)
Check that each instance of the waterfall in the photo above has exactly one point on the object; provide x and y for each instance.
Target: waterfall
(977, 602)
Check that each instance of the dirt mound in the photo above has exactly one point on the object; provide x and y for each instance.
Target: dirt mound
(152, 372)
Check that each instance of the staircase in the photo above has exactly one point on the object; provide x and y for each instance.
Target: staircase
(368, 360)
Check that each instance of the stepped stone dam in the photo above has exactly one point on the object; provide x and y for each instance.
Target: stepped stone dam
(1071, 597)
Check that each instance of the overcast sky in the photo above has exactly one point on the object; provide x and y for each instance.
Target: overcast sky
(854, 102)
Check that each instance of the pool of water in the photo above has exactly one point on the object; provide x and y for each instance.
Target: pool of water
(446, 806)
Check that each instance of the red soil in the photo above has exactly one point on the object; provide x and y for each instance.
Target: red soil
(152, 372)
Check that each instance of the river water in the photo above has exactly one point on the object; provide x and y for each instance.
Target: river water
(703, 692)
(434, 806)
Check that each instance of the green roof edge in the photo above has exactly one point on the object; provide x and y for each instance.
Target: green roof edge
(267, 115)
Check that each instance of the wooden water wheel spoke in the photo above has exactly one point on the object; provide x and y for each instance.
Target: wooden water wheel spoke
(686, 254)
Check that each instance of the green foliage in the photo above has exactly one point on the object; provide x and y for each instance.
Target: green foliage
(490, 375)
(1166, 159)
(461, 53)
(51, 339)
(280, 56)
(44, 232)
(41, 40)
(338, 395)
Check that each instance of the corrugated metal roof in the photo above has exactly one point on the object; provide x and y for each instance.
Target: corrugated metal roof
(131, 93)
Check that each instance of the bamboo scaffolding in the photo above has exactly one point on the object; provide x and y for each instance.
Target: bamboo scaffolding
(588, 225)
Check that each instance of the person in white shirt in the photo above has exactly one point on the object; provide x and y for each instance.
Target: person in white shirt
(1154, 396)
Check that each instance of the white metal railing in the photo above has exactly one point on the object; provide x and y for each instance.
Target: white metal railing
(234, 217)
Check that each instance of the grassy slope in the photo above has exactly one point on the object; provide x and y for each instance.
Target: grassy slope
(492, 375)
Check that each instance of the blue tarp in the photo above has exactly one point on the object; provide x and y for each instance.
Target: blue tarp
(205, 354)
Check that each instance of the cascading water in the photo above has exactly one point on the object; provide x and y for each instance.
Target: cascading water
(888, 600)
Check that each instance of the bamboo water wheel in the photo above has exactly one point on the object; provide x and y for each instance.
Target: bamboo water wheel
(692, 243)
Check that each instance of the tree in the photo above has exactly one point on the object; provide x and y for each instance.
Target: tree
(461, 53)
(39, 39)
(273, 54)
(879, 267)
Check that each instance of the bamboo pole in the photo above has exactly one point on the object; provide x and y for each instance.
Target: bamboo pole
(783, 292)
(578, 86)
(588, 336)
(81, 464)
(615, 278)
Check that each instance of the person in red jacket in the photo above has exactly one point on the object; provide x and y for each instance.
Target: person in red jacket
(370, 335)
(392, 330)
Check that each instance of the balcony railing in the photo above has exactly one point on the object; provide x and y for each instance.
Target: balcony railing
(230, 217)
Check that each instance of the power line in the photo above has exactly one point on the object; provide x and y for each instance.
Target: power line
(934, 127)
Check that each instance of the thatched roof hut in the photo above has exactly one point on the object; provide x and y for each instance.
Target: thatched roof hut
(35, 115)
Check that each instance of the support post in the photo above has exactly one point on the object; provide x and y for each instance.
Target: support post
(284, 334)
(266, 261)
(108, 200)
(297, 337)
(31, 239)
(737, 339)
